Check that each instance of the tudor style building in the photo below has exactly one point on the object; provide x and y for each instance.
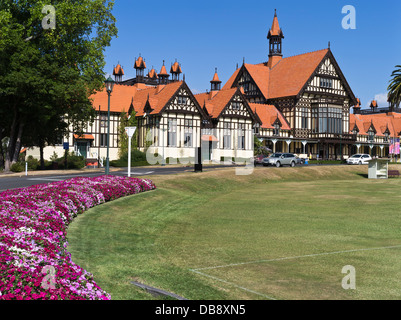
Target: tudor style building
(308, 90)
(299, 104)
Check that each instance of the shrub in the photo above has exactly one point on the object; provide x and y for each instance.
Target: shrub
(73, 162)
(137, 158)
(33, 163)
(17, 167)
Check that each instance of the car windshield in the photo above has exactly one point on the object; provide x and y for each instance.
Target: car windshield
(356, 156)
(276, 155)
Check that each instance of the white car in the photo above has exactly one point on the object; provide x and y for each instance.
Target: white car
(359, 159)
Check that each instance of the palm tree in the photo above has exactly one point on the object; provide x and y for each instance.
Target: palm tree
(394, 89)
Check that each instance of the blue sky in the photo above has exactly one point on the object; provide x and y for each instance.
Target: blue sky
(203, 35)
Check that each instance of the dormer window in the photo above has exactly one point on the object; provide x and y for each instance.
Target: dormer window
(386, 136)
(276, 129)
(371, 136)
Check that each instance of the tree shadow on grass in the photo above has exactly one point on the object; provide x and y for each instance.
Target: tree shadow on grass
(363, 175)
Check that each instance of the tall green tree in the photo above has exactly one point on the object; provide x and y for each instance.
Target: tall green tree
(126, 121)
(394, 88)
(47, 75)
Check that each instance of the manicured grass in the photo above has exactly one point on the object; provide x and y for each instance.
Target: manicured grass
(279, 233)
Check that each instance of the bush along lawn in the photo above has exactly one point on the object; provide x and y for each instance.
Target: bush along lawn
(34, 262)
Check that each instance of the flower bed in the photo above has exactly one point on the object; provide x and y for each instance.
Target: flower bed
(34, 261)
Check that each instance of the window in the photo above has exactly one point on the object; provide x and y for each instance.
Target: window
(235, 106)
(241, 136)
(172, 133)
(276, 129)
(328, 118)
(371, 135)
(103, 140)
(315, 118)
(103, 121)
(326, 83)
(182, 100)
(188, 130)
(227, 135)
(386, 137)
(304, 118)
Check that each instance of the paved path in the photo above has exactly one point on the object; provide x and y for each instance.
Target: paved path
(12, 181)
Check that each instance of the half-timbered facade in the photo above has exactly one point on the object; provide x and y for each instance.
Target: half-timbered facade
(309, 90)
(299, 104)
(230, 123)
(169, 122)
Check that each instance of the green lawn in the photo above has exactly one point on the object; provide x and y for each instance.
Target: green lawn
(280, 233)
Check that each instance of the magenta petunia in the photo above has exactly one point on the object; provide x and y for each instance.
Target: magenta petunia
(34, 261)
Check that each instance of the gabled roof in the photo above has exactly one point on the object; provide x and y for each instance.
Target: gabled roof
(157, 97)
(380, 122)
(269, 114)
(216, 102)
(290, 75)
(120, 99)
(287, 78)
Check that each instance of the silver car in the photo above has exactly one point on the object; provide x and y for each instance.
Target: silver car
(280, 159)
(359, 159)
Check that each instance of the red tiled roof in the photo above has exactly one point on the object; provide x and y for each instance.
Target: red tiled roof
(118, 70)
(268, 115)
(216, 78)
(230, 81)
(175, 68)
(120, 99)
(275, 29)
(289, 75)
(381, 122)
(84, 137)
(158, 97)
(216, 101)
(163, 71)
(152, 74)
(286, 78)
(140, 63)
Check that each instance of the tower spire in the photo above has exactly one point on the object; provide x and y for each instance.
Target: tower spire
(275, 37)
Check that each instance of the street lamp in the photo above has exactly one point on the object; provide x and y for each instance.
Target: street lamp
(109, 88)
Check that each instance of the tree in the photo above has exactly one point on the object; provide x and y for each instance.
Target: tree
(394, 88)
(48, 75)
(122, 136)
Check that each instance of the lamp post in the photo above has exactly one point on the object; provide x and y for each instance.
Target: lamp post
(109, 88)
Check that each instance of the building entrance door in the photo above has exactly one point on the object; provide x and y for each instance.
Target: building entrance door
(82, 148)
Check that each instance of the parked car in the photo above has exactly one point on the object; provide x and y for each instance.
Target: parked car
(258, 159)
(300, 160)
(359, 159)
(280, 159)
